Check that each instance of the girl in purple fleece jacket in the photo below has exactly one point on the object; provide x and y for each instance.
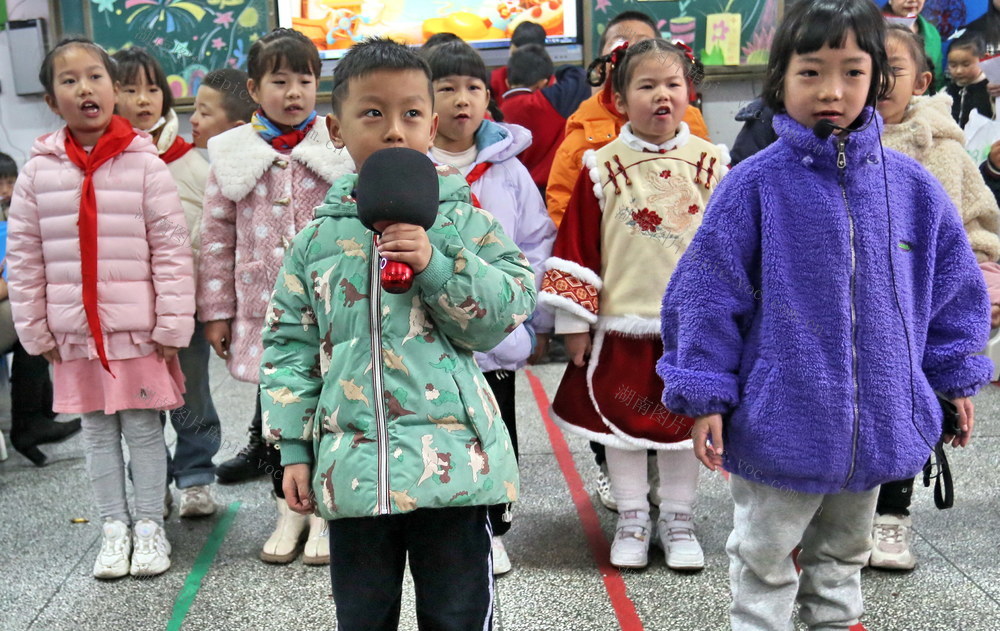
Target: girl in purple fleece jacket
(812, 319)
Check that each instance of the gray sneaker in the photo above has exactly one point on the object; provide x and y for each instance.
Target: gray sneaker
(196, 501)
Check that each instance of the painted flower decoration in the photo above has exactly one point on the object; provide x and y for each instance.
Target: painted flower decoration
(218, 43)
(693, 209)
(647, 220)
(225, 19)
(665, 174)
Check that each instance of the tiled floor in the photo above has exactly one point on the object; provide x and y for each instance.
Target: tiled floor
(45, 560)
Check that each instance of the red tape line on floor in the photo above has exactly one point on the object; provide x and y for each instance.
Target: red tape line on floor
(628, 618)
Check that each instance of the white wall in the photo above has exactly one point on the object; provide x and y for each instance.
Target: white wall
(721, 99)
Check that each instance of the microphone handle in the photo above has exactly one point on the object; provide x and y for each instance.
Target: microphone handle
(396, 277)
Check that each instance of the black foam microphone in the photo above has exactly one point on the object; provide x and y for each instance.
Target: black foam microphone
(397, 185)
(824, 127)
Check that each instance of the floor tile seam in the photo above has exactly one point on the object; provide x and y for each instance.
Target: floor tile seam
(72, 569)
(989, 595)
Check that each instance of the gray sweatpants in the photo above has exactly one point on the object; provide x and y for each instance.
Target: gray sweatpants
(102, 437)
(835, 535)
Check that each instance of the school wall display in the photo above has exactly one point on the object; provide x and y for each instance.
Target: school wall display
(722, 32)
(190, 38)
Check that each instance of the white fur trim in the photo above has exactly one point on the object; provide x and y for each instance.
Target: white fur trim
(561, 302)
(609, 440)
(575, 269)
(590, 163)
(240, 157)
(631, 325)
(633, 442)
(724, 150)
(634, 142)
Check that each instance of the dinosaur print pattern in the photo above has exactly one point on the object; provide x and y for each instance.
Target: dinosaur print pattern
(351, 293)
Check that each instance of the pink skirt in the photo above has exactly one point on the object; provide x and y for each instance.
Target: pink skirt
(143, 383)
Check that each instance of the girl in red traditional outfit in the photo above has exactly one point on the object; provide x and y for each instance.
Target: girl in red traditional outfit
(101, 284)
(636, 205)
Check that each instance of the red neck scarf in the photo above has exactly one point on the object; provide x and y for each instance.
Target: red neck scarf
(473, 176)
(176, 150)
(117, 137)
(290, 140)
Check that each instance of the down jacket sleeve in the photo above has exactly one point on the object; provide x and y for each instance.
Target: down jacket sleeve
(26, 265)
(291, 345)
(709, 304)
(478, 266)
(536, 235)
(171, 259)
(216, 271)
(959, 322)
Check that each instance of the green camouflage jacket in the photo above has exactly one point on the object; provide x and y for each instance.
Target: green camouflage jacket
(418, 427)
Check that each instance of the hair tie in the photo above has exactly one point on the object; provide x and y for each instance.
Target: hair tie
(685, 49)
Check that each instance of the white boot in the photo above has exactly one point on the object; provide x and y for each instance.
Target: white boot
(284, 543)
(317, 550)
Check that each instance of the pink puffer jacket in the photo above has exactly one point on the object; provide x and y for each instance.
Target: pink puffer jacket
(145, 281)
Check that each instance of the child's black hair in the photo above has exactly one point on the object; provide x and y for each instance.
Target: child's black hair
(372, 55)
(232, 85)
(528, 65)
(528, 33)
(971, 41)
(283, 47)
(914, 43)
(437, 39)
(810, 24)
(48, 64)
(623, 70)
(8, 168)
(626, 16)
(132, 61)
(459, 59)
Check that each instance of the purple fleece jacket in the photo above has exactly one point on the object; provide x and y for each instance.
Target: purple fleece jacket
(782, 315)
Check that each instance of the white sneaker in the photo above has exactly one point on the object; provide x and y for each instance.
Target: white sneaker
(681, 547)
(630, 548)
(891, 546)
(168, 503)
(604, 489)
(151, 555)
(116, 549)
(196, 501)
(501, 562)
(317, 549)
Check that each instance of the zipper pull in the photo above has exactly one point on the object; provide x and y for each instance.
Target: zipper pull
(841, 156)
(507, 516)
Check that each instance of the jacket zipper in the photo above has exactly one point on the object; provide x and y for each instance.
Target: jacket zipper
(841, 176)
(381, 430)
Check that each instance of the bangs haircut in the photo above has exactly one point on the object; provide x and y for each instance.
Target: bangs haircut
(132, 61)
(622, 74)
(528, 65)
(8, 168)
(232, 85)
(456, 59)
(372, 55)
(914, 44)
(45, 73)
(971, 41)
(811, 24)
(283, 47)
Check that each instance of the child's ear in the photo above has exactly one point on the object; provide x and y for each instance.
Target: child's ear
(233, 124)
(333, 126)
(922, 83)
(253, 89)
(51, 102)
(434, 130)
(620, 103)
(541, 83)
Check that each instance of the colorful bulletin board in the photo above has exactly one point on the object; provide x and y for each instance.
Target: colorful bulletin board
(734, 33)
(190, 38)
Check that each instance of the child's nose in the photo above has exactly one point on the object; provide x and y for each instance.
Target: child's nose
(831, 90)
(393, 132)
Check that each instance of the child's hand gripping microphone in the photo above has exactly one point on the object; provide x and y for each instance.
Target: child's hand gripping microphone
(397, 185)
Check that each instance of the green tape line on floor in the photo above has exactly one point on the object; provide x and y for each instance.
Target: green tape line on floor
(201, 566)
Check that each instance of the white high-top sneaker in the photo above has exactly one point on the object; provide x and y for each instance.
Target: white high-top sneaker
(116, 550)
(151, 555)
(317, 550)
(630, 548)
(501, 561)
(891, 545)
(681, 547)
(284, 543)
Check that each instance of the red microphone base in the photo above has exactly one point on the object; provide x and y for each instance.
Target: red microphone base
(397, 278)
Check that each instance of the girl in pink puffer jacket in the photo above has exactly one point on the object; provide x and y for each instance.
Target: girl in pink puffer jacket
(101, 284)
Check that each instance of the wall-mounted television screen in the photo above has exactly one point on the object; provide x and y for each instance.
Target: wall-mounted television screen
(335, 25)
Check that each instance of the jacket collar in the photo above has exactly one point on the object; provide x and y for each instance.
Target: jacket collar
(819, 151)
(240, 157)
(634, 142)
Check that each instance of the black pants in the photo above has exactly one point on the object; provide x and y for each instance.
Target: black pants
(502, 384)
(30, 386)
(273, 457)
(894, 498)
(449, 554)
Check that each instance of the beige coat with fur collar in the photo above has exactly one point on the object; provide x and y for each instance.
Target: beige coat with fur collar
(931, 136)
